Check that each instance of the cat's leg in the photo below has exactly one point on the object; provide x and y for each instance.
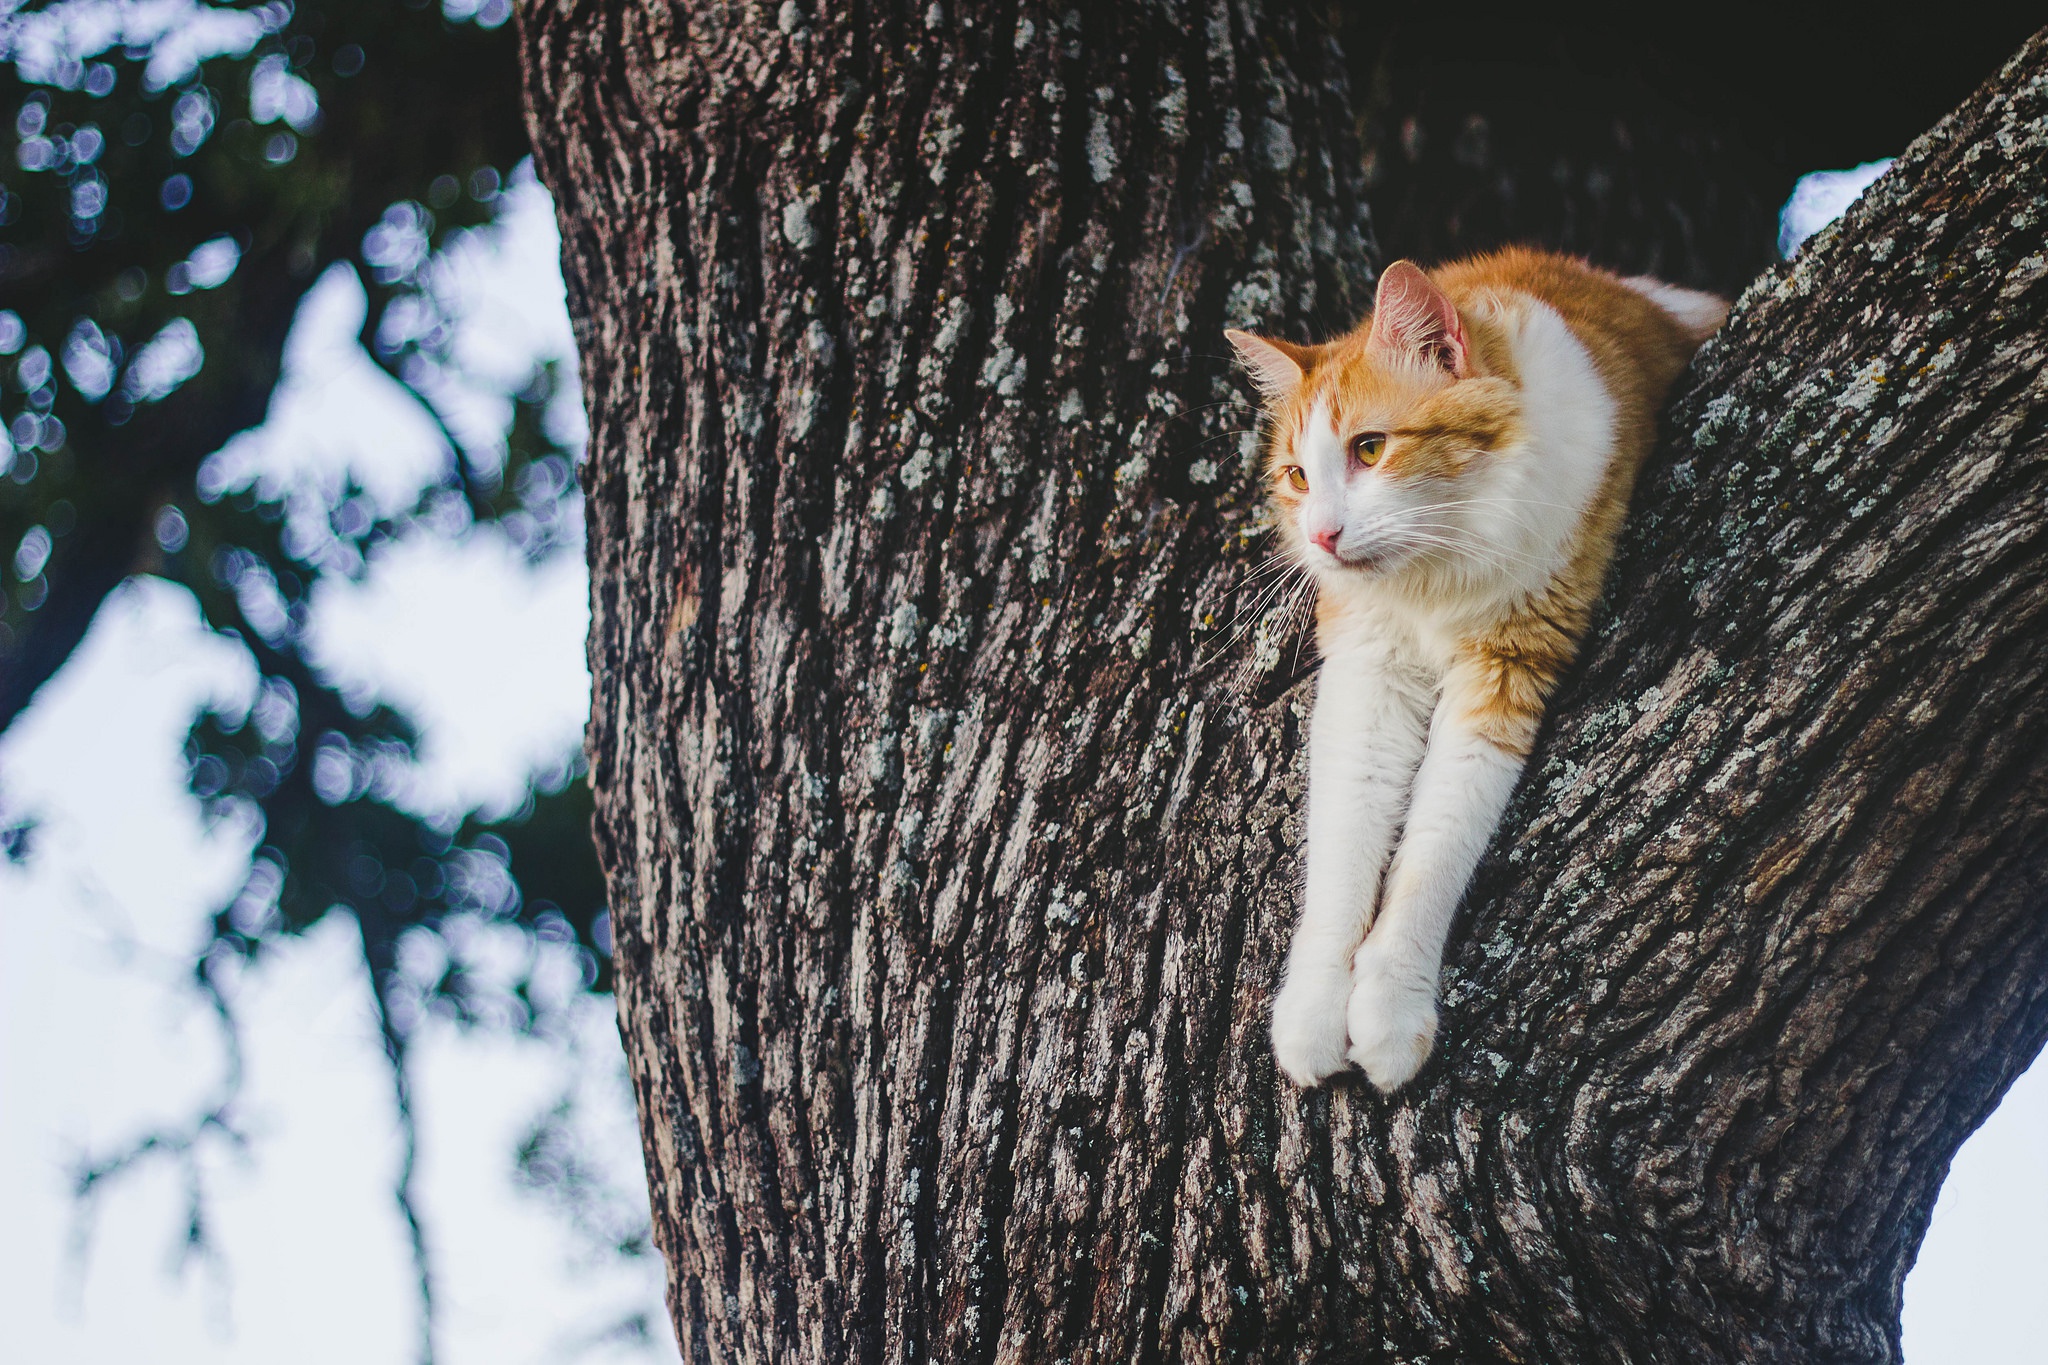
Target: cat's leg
(1480, 736)
(1365, 738)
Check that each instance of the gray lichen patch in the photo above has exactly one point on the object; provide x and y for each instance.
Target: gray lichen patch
(1172, 106)
(1101, 148)
(796, 225)
(905, 626)
(1277, 145)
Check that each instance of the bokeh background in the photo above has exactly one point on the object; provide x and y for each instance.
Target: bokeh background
(306, 1046)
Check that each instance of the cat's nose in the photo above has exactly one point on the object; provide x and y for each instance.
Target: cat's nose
(1325, 540)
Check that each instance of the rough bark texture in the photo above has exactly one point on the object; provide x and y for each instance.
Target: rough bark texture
(953, 831)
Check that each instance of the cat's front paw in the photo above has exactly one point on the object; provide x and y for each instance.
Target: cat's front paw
(1392, 1019)
(1308, 1023)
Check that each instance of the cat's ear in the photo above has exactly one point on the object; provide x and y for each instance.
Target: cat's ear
(1277, 367)
(1412, 315)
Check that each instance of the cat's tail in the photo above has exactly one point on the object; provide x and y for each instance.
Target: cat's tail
(1699, 314)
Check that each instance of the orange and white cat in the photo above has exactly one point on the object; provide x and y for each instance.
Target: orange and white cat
(1452, 474)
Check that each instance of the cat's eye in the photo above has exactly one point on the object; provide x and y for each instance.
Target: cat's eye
(1366, 447)
(1297, 478)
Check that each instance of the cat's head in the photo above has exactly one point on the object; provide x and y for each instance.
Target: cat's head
(1385, 442)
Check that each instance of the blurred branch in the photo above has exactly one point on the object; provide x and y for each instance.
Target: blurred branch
(138, 465)
(431, 104)
(378, 958)
(180, 1145)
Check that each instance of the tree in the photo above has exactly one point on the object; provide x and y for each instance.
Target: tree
(178, 193)
(178, 180)
(947, 773)
(315, 151)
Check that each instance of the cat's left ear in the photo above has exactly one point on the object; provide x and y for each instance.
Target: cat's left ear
(1411, 314)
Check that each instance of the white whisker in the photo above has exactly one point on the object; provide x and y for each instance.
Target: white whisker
(1248, 617)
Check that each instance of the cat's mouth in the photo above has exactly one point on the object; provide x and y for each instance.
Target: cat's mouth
(1363, 561)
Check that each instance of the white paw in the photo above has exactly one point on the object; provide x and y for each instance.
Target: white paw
(1392, 1020)
(1308, 1023)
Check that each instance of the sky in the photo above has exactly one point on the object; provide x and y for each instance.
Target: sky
(102, 1037)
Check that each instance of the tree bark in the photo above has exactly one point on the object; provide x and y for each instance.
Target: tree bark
(949, 775)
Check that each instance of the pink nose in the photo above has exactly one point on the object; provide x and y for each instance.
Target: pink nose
(1326, 540)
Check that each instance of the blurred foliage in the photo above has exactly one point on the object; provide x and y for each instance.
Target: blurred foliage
(178, 176)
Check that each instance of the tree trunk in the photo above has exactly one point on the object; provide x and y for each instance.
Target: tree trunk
(949, 776)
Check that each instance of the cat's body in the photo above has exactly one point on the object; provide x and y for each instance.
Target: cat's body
(1453, 474)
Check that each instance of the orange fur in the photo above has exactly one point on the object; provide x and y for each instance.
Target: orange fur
(1436, 426)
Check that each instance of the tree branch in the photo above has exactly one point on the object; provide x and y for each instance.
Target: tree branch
(1769, 944)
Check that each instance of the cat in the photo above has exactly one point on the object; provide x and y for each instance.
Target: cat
(1452, 474)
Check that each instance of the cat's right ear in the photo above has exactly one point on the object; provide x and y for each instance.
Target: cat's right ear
(1277, 367)
(1412, 315)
